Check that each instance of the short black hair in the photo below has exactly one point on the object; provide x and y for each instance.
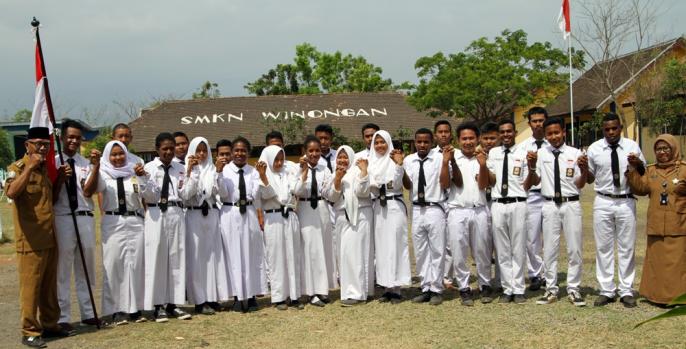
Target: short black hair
(272, 135)
(67, 123)
(309, 139)
(424, 131)
(324, 128)
(468, 125)
(164, 136)
(553, 121)
(506, 121)
(241, 139)
(120, 125)
(489, 127)
(442, 122)
(611, 117)
(180, 134)
(536, 110)
(224, 143)
(370, 125)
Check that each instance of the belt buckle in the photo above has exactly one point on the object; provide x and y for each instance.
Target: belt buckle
(163, 201)
(241, 202)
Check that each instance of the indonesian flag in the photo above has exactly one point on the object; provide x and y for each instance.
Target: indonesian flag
(563, 20)
(42, 109)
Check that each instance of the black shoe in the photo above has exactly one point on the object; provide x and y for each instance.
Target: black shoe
(535, 283)
(59, 332)
(486, 294)
(506, 298)
(316, 301)
(396, 298)
(297, 305)
(324, 299)
(436, 298)
(385, 298)
(33, 342)
(204, 309)
(422, 298)
(466, 297)
(137, 317)
(215, 306)
(519, 299)
(92, 321)
(603, 300)
(628, 301)
(67, 326)
(161, 315)
(350, 302)
(252, 304)
(281, 306)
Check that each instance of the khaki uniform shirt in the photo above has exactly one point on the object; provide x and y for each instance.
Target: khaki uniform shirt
(663, 220)
(32, 210)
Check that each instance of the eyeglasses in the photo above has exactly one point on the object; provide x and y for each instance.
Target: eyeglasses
(40, 144)
(663, 150)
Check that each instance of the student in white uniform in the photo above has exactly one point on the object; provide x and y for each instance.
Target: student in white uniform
(368, 131)
(427, 176)
(165, 233)
(324, 133)
(281, 228)
(468, 218)
(122, 132)
(534, 202)
(505, 170)
(243, 242)
(181, 148)
(315, 224)
(349, 191)
(488, 140)
(443, 133)
(68, 193)
(206, 278)
(562, 172)
(614, 210)
(390, 217)
(121, 181)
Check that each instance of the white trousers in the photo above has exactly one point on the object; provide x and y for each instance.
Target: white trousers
(428, 237)
(510, 242)
(495, 281)
(69, 258)
(534, 203)
(390, 245)
(284, 255)
(557, 219)
(315, 275)
(165, 257)
(614, 221)
(468, 229)
(356, 255)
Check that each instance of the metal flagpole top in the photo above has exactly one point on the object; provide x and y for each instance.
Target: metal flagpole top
(35, 23)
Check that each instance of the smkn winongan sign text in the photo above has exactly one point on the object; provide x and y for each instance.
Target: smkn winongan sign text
(285, 115)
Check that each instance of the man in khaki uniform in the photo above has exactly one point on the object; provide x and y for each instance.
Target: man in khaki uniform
(30, 188)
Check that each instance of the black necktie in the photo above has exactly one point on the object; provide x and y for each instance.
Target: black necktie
(488, 194)
(558, 186)
(615, 165)
(422, 182)
(205, 208)
(121, 195)
(539, 143)
(328, 162)
(505, 178)
(314, 190)
(242, 195)
(164, 195)
(71, 186)
(382, 195)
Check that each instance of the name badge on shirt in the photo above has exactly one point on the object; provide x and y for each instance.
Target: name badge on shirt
(389, 185)
(135, 188)
(83, 182)
(570, 168)
(180, 184)
(517, 169)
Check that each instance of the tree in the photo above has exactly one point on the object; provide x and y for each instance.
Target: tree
(6, 155)
(99, 142)
(292, 129)
(490, 78)
(22, 115)
(207, 90)
(315, 72)
(660, 98)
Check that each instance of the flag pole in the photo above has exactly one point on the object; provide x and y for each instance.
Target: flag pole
(571, 92)
(35, 24)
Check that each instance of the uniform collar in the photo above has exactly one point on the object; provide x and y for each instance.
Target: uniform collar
(620, 143)
(235, 168)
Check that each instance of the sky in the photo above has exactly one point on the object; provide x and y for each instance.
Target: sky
(99, 52)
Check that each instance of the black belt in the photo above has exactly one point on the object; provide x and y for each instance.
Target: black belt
(169, 203)
(237, 204)
(618, 196)
(83, 213)
(127, 213)
(564, 199)
(426, 203)
(535, 191)
(509, 200)
(200, 207)
(283, 210)
(319, 198)
(398, 197)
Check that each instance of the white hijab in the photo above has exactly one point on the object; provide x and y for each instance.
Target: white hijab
(351, 203)
(277, 179)
(381, 167)
(107, 167)
(206, 168)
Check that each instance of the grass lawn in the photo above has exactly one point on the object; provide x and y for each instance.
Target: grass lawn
(405, 325)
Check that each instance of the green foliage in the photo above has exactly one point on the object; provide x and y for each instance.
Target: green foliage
(490, 78)
(315, 72)
(207, 90)
(595, 124)
(22, 115)
(293, 129)
(98, 142)
(6, 154)
(679, 310)
(660, 98)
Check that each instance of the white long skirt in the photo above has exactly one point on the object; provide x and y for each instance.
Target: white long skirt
(123, 246)
(284, 255)
(313, 225)
(165, 257)
(356, 255)
(244, 252)
(206, 276)
(392, 253)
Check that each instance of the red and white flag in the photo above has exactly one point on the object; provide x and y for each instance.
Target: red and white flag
(563, 20)
(42, 108)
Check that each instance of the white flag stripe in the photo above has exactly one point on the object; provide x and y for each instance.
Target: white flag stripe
(40, 116)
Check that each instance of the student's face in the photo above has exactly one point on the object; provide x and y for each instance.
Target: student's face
(423, 143)
(201, 152)
(123, 135)
(166, 151)
(555, 135)
(342, 159)
(278, 162)
(275, 141)
(240, 154)
(612, 130)
(507, 134)
(536, 124)
(443, 135)
(367, 134)
(313, 152)
(488, 141)
(117, 156)
(224, 152)
(468, 142)
(325, 140)
(72, 140)
(380, 145)
(182, 147)
(663, 152)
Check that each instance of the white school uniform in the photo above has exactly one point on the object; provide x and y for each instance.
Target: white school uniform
(565, 217)
(165, 234)
(428, 222)
(509, 231)
(243, 241)
(332, 249)
(534, 205)
(614, 220)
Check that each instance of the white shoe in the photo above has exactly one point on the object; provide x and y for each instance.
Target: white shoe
(548, 298)
(576, 298)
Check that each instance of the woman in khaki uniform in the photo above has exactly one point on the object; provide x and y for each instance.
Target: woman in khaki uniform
(664, 269)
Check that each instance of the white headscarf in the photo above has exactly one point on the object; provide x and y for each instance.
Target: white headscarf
(351, 203)
(277, 180)
(106, 166)
(206, 168)
(381, 167)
